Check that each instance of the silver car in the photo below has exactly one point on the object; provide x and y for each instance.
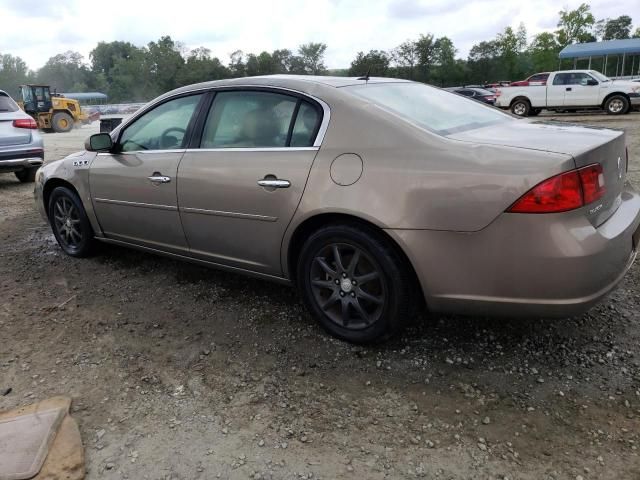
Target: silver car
(21, 146)
(369, 195)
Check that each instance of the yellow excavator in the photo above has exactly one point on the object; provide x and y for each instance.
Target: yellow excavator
(51, 111)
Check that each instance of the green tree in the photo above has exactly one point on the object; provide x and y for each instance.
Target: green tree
(575, 26)
(252, 67)
(376, 62)
(446, 70)
(636, 34)
(281, 60)
(617, 28)
(104, 56)
(65, 71)
(237, 66)
(405, 57)
(510, 46)
(484, 62)
(544, 51)
(266, 64)
(311, 58)
(13, 72)
(201, 67)
(165, 62)
(426, 52)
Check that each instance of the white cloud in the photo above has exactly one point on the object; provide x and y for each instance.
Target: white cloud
(346, 26)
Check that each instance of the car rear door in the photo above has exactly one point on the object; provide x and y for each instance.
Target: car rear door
(133, 188)
(240, 187)
(556, 89)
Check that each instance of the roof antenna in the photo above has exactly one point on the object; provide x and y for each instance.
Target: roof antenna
(366, 76)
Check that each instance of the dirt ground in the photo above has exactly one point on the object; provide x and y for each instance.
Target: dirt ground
(179, 372)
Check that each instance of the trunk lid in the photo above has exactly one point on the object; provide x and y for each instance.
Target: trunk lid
(586, 144)
(10, 135)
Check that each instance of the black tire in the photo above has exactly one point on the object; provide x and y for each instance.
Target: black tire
(372, 313)
(61, 122)
(616, 105)
(521, 107)
(534, 112)
(28, 175)
(66, 216)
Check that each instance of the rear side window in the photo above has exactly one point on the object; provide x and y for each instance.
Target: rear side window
(7, 104)
(247, 119)
(306, 126)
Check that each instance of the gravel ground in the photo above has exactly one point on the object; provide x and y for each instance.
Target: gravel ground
(179, 372)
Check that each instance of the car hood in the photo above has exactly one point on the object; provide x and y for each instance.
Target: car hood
(546, 136)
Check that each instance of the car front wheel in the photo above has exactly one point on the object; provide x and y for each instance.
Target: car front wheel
(354, 282)
(69, 223)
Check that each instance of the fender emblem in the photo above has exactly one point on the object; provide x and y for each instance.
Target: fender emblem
(80, 163)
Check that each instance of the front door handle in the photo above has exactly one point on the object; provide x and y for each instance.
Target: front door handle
(157, 178)
(274, 183)
(568, 89)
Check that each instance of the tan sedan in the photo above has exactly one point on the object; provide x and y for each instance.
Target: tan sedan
(370, 195)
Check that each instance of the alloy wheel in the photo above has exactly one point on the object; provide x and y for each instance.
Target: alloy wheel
(519, 109)
(67, 222)
(616, 106)
(348, 285)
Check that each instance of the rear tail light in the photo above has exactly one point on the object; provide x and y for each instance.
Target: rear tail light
(567, 191)
(25, 123)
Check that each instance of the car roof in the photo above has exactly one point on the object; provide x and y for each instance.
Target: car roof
(302, 83)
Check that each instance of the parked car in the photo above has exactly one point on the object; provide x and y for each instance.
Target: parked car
(21, 147)
(536, 79)
(368, 195)
(572, 90)
(501, 83)
(480, 94)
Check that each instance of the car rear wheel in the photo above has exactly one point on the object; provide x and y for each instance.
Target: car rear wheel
(62, 122)
(27, 175)
(617, 105)
(521, 107)
(354, 283)
(70, 224)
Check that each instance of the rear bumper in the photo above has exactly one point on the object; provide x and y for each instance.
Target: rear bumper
(552, 265)
(19, 160)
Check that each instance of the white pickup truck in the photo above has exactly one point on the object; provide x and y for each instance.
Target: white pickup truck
(571, 90)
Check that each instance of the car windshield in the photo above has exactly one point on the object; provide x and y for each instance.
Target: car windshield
(484, 92)
(441, 112)
(600, 76)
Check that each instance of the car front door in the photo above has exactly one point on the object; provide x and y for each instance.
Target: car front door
(579, 92)
(133, 188)
(239, 190)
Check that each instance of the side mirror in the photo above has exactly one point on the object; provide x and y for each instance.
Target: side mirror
(99, 142)
(592, 82)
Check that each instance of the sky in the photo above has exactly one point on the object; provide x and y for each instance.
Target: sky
(38, 29)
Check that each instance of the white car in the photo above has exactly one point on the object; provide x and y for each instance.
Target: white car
(571, 90)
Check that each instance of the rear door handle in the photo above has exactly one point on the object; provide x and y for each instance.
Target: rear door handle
(274, 183)
(157, 178)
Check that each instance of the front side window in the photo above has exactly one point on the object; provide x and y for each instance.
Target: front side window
(249, 119)
(577, 78)
(163, 128)
(428, 107)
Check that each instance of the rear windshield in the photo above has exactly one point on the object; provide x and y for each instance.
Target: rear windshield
(7, 104)
(431, 108)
